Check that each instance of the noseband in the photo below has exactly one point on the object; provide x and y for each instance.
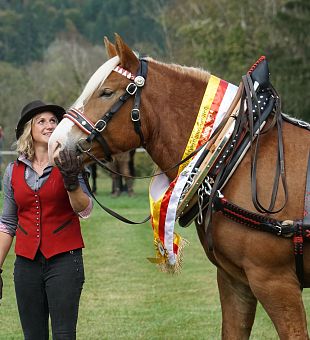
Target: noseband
(94, 131)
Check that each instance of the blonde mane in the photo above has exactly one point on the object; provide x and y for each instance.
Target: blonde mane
(104, 70)
(198, 73)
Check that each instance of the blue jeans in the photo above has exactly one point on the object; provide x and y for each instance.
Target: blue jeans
(49, 288)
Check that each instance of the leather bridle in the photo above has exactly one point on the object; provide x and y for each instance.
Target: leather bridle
(134, 88)
(94, 131)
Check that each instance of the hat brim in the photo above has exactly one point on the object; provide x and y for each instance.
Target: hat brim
(58, 111)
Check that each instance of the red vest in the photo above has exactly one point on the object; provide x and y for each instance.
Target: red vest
(46, 220)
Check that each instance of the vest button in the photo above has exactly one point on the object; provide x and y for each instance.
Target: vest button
(38, 236)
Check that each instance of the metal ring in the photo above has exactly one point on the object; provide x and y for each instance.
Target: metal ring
(104, 126)
(81, 148)
(134, 90)
(138, 115)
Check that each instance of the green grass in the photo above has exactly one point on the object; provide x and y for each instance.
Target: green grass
(125, 296)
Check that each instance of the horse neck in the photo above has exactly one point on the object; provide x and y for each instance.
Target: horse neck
(172, 103)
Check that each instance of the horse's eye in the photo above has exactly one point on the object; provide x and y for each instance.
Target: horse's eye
(106, 93)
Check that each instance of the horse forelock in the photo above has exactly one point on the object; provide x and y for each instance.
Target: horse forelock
(96, 81)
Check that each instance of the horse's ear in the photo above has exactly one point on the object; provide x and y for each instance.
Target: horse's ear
(110, 48)
(128, 59)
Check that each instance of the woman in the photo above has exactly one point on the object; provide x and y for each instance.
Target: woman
(42, 206)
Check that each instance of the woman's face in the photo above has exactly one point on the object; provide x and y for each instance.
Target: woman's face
(43, 124)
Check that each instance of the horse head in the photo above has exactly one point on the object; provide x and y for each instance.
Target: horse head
(100, 120)
(130, 102)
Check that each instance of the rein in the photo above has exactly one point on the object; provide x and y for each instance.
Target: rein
(112, 212)
(102, 164)
(108, 210)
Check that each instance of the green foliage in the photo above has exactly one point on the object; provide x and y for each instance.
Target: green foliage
(40, 22)
(14, 80)
(227, 37)
(45, 80)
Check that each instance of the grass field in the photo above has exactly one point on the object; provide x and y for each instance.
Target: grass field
(125, 296)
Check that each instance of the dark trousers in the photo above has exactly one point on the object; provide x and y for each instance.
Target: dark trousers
(49, 288)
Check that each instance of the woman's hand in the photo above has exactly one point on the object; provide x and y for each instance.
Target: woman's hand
(70, 165)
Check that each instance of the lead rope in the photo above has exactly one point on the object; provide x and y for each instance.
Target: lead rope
(102, 165)
(108, 210)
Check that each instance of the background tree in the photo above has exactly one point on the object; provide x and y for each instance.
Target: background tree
(228, 36)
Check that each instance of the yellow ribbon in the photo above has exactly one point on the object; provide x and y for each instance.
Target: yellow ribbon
(201, 118)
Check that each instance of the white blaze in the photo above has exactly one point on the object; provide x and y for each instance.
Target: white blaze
(62, 137)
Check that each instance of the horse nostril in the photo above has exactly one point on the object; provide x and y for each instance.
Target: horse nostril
(58, 145)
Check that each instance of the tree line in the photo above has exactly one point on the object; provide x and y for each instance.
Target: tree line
(48, 49)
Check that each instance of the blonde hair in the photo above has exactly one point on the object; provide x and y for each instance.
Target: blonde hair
(24, 144)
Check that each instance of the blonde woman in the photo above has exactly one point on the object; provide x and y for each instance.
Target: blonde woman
(42, 207)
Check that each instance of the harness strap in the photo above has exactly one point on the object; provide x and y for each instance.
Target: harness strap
(175, 166)
(135, 112)
(251, 219)
(302, 228)
(298, 241)
(94, 130)
(100, 139)
(89, 128)
(108, 210)
(102, 123)
(306, 220)
(280, 172)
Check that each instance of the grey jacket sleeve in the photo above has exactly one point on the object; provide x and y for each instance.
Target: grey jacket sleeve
(9, 218)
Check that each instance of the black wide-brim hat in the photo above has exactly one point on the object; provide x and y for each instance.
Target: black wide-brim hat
(32, 109)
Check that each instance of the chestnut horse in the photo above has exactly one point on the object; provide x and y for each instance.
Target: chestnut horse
(251, 265)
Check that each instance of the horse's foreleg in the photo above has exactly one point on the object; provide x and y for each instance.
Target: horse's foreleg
(238, 307)
(280, 295)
